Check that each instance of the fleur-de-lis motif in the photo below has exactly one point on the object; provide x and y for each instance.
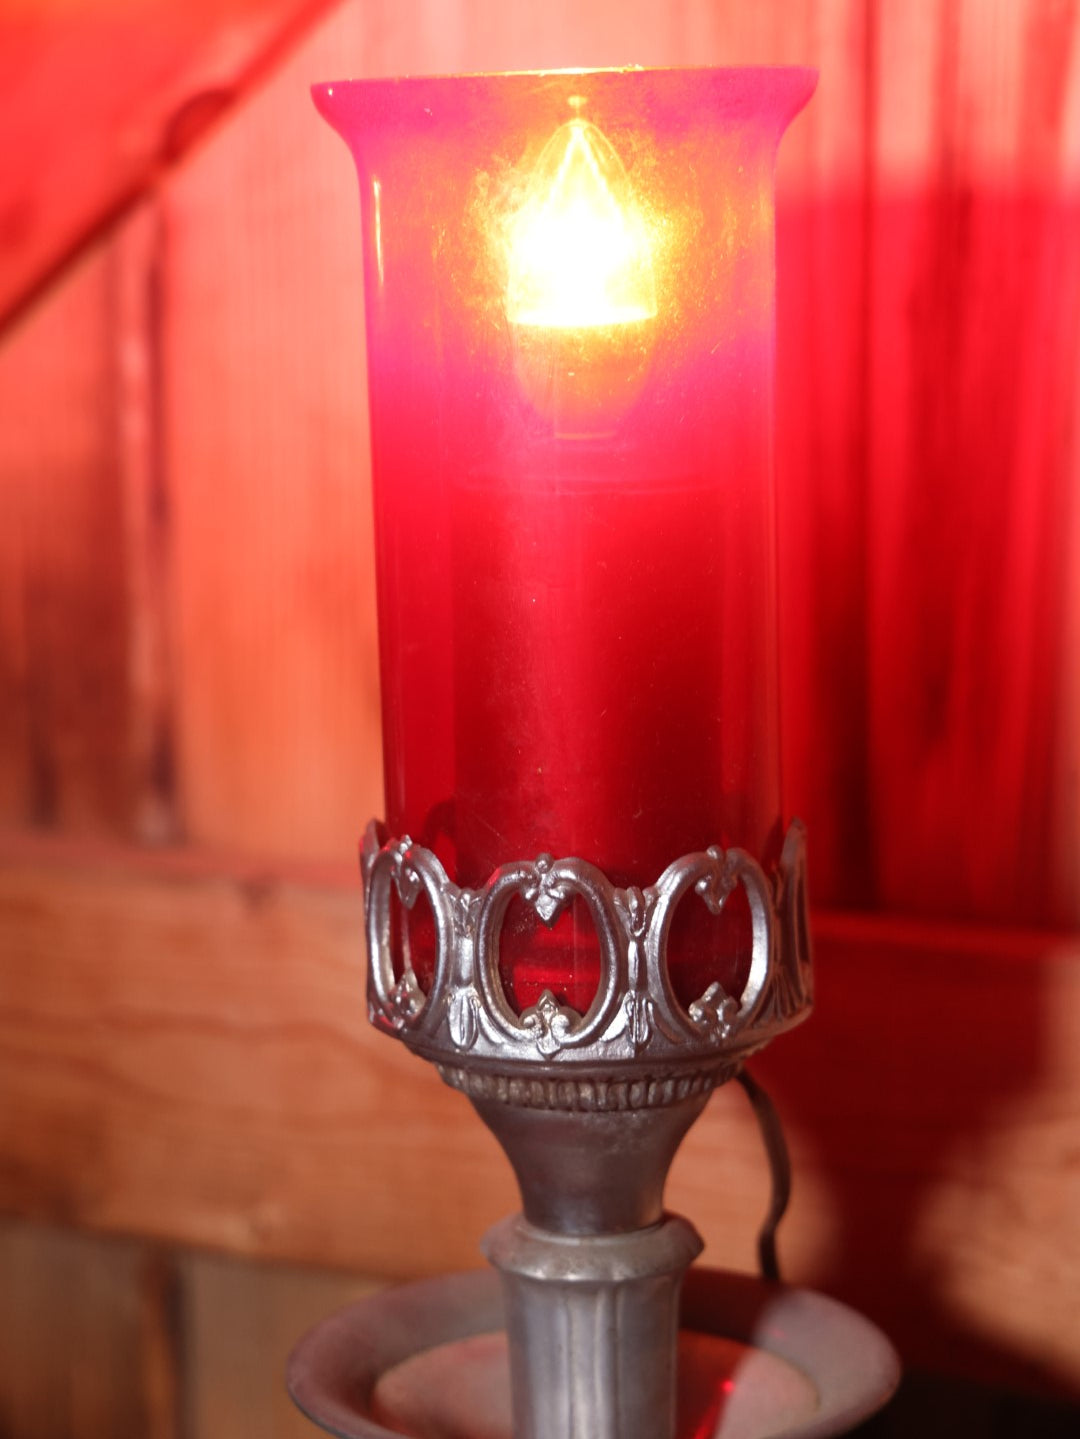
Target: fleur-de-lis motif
(406, 878)
(635, 1012)
(715, 1011)
(715, 886)
(550, 1022)
(546, 891)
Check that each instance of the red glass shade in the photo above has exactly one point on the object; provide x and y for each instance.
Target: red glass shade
(569, 282)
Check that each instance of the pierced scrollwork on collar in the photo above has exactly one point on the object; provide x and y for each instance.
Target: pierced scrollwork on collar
(635, 1020)
(548, 890)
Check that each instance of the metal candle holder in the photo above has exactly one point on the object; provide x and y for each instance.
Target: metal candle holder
(612, 398)
(590, 1109)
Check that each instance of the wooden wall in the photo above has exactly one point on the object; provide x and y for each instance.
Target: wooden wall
(189, 736)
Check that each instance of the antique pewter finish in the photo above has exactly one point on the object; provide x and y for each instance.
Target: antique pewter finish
(589, 1108)
(592, 1327)
(636, 1047)
(430, 1359)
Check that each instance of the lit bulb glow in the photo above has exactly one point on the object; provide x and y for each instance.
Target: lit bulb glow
(579, 248)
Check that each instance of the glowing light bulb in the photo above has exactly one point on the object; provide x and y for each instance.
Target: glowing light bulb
(579, 249)
(581, 292)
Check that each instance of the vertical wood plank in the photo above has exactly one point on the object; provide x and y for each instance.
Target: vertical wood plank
(1066, 820)
(266, 411)
(161, 1352)
(241, 1322)
(266, 447)
(136, 259)
(966, 663)
(16, 789)
(62, 611)
(1057, 122)
(97, 96)
(74, 1314)
(821, 441)
(974, 325)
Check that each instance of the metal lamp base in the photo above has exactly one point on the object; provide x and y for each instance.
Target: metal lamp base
(590, 1109)
(430, 1361)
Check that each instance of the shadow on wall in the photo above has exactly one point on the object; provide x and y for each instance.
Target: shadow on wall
(948, 1044)
(927, 463)
(928, 352)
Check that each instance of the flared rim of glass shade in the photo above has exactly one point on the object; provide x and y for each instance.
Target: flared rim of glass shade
(570, 70)
(769, 94)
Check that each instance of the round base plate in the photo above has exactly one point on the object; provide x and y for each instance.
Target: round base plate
(429, 1361)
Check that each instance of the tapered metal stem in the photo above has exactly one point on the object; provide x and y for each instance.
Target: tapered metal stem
(592, 1270)
(582, 1174)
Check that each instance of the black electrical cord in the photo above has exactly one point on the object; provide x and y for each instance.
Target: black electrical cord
(776, 1149)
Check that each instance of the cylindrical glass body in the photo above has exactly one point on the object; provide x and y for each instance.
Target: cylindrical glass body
(569, 284)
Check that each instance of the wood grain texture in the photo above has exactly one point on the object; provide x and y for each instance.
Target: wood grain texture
(78, 1319)
(928, 460)
(241, 1322)
(187, 649)
(230, 1326)
(62, 587)
(105, 1338)
(185, 1056)
(266, 418)
(974, 324)
(266, 449)
(243, 1073)
(137, 257)
(97, 98)
(822, 435)
(85, 740)
(929, 1096)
